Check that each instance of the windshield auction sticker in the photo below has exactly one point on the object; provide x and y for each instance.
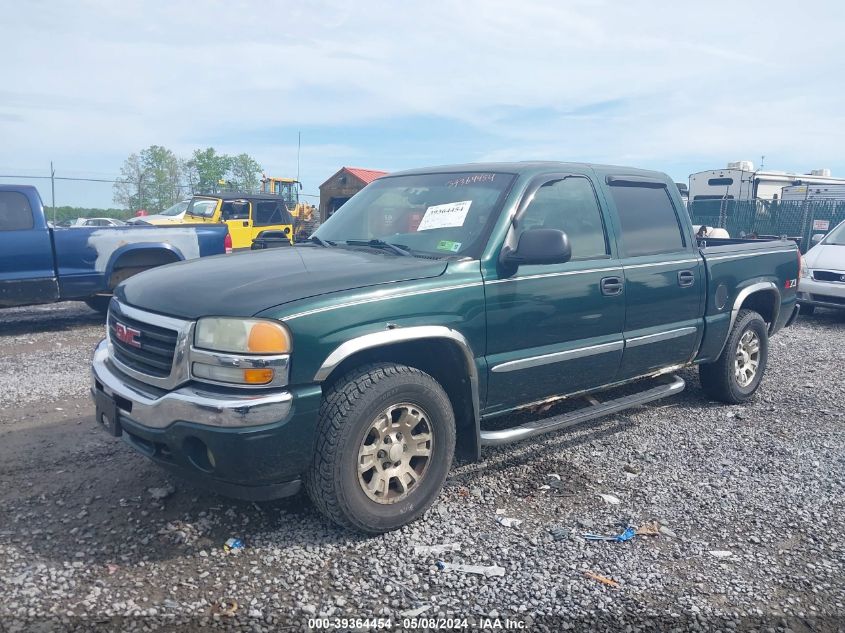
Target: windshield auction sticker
(442, 216)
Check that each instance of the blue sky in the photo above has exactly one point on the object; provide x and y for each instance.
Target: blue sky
(679, 87)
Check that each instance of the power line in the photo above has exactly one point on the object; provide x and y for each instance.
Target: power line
(125, 182)
(62, 178)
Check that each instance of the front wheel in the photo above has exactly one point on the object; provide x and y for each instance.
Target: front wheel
(735, 376)
(385, 442)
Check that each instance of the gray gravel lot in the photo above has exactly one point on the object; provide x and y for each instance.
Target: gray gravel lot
(83, 543)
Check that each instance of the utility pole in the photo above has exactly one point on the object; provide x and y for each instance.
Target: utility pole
(141, 190)
(53, 190)
(298, 152)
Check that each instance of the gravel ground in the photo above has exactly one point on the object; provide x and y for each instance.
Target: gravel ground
(85, 544)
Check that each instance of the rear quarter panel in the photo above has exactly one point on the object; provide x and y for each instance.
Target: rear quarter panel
(731, 269)
(86, 257)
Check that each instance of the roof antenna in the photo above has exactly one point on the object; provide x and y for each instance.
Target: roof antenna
(762, 162)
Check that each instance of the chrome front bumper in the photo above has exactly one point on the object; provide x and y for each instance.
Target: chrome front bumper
(156, 408)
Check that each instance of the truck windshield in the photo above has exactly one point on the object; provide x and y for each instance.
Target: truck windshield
(837, 236)
(202, 208)
(434, 214)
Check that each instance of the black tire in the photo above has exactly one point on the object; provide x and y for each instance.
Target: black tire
(719, 379)
(348, 410)
(100, 303)
(807, 309)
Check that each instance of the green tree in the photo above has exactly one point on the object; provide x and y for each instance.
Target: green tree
(150, 179)
(164, 175)
(244, 173)
(207, 169)
(129, 189)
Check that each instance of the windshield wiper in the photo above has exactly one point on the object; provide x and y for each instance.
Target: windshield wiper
(321, 241)
(399, 249)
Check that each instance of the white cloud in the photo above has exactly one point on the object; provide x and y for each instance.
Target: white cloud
(691, 83)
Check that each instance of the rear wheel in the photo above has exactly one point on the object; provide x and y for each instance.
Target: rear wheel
(386, 439)
(735, 376)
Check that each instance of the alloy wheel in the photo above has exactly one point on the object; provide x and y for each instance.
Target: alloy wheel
(395, 453)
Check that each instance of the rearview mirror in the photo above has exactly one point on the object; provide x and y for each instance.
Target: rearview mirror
(539, 246)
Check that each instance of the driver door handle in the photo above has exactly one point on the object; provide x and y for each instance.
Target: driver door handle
(611, 286)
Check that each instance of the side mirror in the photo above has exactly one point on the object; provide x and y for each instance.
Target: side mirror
(539, 246)
(817, 237)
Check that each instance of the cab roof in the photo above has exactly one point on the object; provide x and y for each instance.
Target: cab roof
(532, 167)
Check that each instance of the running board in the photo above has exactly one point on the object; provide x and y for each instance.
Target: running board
(538, 427)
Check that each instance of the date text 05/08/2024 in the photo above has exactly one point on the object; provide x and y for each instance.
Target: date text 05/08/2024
(417, 623)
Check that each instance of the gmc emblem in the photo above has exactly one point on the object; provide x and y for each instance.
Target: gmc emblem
(127, 335)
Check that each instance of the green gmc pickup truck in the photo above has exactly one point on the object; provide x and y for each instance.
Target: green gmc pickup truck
(428, 310)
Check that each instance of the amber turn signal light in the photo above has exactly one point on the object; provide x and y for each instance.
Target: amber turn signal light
(257, 376)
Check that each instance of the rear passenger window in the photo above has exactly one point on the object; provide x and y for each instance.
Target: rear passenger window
(569, 205)
(271, 213)
(15, 212)
(649, 221)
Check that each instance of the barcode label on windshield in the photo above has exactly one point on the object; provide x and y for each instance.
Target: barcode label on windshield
(442, 216)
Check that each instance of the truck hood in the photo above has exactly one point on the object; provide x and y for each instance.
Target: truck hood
(247, 283)
(826, 257)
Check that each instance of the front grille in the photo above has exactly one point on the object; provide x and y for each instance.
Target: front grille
(828, 299)
(155, 347)
(827, 275)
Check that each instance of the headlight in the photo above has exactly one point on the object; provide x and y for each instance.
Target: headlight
(240, 351)
(805, 272)
(242, 336)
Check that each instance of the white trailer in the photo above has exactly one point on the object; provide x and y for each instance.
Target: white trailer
(740, 181)
(813, 192)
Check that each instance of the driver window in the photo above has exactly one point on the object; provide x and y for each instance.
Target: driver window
(569, 205)
(235, 210)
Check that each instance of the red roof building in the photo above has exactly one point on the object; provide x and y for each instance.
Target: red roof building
(365, 175)
(344, 184)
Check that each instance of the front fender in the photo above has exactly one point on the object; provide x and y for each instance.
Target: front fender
(419, 334)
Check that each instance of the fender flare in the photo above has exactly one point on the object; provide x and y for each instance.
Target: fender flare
(403, 335)
(141, 246)
(760, 286)
(742, 295)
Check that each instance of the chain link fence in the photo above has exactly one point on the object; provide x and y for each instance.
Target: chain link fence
(798, 220)
(68, 197)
